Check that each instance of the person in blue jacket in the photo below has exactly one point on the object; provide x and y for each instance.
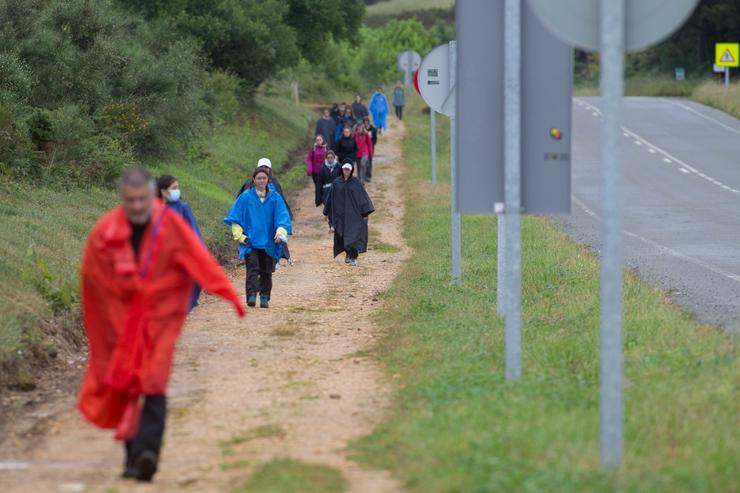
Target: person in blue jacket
(260, 222)
(168, 190)
(379, 108)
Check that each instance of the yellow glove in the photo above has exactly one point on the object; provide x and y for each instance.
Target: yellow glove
(282, 233)
(238, 232)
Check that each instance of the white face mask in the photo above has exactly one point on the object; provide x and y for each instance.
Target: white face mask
(174, 195)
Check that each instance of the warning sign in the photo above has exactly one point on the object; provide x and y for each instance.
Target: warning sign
(727, 54)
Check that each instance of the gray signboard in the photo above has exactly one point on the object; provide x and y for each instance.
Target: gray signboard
(546, 112)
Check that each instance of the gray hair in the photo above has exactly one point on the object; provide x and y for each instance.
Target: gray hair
(135, 177)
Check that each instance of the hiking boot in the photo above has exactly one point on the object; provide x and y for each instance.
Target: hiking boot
(353, 262)
(347, 259)
(145, 465)
(291, 262)
(252, 300)
(264, 301)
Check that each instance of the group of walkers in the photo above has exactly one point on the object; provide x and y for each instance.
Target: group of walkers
(145, 263)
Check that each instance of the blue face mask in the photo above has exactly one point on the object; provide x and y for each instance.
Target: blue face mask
(174, 195)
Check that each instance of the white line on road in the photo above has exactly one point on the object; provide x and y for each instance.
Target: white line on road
(667, 160)
(662, 248)
(709, 118)
(637, 142)
(651, 150)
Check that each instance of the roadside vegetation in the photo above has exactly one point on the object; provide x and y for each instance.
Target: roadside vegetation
(458, 425)
(292, 476)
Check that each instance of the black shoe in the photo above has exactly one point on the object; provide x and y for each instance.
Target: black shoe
(129, 473)
(146, 465)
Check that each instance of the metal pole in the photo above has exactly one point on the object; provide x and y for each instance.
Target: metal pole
(500, 264)
(727, 77)
(456, 268)
(512, 184)
(407, 76)
(433, 117)
(612, 91)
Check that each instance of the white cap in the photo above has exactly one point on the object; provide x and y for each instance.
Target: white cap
(264, 162)
(347, 165)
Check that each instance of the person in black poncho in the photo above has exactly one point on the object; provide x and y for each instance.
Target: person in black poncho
(347, 208)
(330, 171)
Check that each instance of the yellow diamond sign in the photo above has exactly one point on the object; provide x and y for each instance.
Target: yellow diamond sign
(727, 54)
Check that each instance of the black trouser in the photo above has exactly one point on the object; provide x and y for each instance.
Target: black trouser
(369, 170)
(151, 429)
(399, 112)
(352, 253)
(259, 272)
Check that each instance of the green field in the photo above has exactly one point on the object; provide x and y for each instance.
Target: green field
(42, 230)
(396, 7)
(457, 425)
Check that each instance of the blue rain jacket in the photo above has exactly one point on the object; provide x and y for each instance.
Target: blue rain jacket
(379, 108)
(260, 221)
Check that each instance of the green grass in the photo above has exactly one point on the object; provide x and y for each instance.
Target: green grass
(396, 7)
(41, 226)
(292, 476)
(459, 426)
(644, 85)
(715, 94)
(266, 431)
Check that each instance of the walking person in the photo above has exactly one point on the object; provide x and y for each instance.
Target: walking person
(274, 184)
(168, 190)
(379, 109)
(315, 159)
(347, 146)
(359, 110)
(347, 209)
(327, 128)
(138, 267)
(399, 99)
(364, 141)
(374, 133)
(335, 113)
(347, 121)
(260, 223)
(330, 171)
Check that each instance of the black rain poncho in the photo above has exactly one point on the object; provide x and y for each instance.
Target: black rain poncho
(347, 208)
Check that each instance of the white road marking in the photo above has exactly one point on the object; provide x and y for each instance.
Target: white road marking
(668, 158)
(683, 170)
(595, 114)
(637, 142)
(651, 150)
(699, 113)
(664, 249)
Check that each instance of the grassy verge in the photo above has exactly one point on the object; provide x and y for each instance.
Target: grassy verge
(42, 230)
(715, 94)
(291, 476)
(653, 86)
(458, 426)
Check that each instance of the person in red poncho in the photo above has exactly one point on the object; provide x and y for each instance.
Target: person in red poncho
(138, 268)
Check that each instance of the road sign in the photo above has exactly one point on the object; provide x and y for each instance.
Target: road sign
(546, 112)
(416, 82)
(727, 54)
(647, 21)
(717, 69)
(407, 62)
(434, 81)
(680, 73)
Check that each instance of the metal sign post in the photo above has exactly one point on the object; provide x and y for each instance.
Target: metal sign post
(433, 125)
(612, 91)
(407, 62)
(456, 234)
(436, 79)
(612, 26)
(512, 185)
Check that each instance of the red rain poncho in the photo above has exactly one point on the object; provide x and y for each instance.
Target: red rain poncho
(134, 310)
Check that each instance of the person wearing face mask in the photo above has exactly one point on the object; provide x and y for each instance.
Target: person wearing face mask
(260, 223)
(138, 267)
(330, 171)
(346, 209)
(168, 190)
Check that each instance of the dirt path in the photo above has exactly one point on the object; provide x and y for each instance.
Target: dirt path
(291, 381)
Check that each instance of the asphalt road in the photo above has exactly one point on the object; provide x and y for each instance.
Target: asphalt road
(681, 199)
